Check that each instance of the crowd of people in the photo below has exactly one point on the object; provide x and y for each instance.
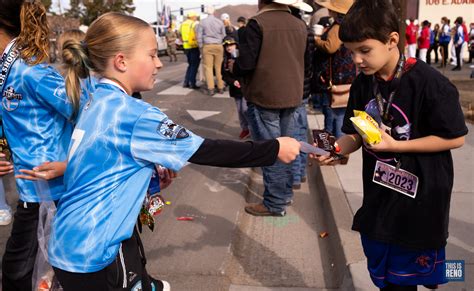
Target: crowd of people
(79, 139)
(447, 43)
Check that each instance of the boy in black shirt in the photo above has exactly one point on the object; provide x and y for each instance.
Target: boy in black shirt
(408, 176)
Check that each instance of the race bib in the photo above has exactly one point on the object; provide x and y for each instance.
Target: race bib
(399, 180)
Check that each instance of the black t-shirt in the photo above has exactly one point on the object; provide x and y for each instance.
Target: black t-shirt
(426, 104)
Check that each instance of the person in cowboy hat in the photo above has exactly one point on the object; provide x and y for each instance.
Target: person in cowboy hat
(271, 63)
(331, 53)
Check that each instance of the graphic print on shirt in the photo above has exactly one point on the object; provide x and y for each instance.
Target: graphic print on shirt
(11, 99)
(171, 130)
(401, 126)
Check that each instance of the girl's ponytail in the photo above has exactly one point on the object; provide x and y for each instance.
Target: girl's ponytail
(76, 66)
(33, 40)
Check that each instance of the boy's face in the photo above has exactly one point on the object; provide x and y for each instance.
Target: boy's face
(230, 48)
(144, 62)
(370, 55)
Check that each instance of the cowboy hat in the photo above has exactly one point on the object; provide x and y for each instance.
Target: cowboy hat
(339, 6)
(284, 2)
(302, 6)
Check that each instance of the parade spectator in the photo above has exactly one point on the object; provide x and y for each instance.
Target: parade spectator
(424, 40)
(171, 37)
(403, 229)
(411, 34)
(458, 42)
(434, 44)
(334, 65)
(230, 30)
(444, 40)
(37, 122)
(271, 62)
(300, 116)
(316, 90)
(104, 195)
(191, 49)
(235, 84)
(471, 42)
(241, 23)
(211, 32)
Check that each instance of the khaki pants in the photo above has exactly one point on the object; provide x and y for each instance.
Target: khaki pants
(213, 55)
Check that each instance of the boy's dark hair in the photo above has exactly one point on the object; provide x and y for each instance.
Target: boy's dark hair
(458, 20)
(242, 19)
(369, 19)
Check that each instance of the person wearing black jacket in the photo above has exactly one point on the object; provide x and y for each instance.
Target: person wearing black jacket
(235, 84)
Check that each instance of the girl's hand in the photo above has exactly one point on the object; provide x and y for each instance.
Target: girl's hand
(5, 166)
(289, 149)
(236, 84)
(45, 171)
(388, 144)
(166, 176)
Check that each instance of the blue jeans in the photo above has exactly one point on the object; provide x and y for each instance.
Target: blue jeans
(3, 201)
(193, 56)
(278, 180)
(301, 134)
(333, 117)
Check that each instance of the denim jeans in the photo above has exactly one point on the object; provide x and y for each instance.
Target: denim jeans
(242, 111)
(193, 56)
(3, 201)
(301, 134)
(277, 179)
(333, 117)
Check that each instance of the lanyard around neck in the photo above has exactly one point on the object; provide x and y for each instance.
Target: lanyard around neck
(384, 110)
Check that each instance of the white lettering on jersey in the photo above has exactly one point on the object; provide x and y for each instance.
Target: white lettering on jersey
(76, 138)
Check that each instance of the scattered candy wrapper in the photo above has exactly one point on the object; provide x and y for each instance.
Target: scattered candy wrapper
(323, 234)
(367, 127)
(185, 218)
(168, 202)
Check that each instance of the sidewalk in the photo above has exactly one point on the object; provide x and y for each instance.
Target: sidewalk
(347, 179)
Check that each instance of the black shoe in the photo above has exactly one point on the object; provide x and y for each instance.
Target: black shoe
(456, 68)
(185, 86)
(296, 186)
(195, 87)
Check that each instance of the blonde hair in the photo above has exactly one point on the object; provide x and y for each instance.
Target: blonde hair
(76, 34)
(33, 40)
(108, 35)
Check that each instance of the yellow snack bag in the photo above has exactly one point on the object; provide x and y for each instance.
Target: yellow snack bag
(367, 127)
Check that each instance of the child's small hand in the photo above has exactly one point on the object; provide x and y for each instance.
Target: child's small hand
(166, 176)
(388, 144)
(5, 166)
(237, 84)
(45, 171)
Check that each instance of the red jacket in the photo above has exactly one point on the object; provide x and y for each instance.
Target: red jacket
(411, 33)
(424, 39)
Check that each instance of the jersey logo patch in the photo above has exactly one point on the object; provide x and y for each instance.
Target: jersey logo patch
(171, 130)
(10, 99)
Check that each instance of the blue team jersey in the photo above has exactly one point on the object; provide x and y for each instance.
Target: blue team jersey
(116, 142)
(37, 121)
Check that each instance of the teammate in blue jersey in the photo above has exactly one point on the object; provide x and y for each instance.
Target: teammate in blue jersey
(115, 145)
(37, 120)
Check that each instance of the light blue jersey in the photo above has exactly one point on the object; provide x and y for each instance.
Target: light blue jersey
(36, 118)
(114, 147)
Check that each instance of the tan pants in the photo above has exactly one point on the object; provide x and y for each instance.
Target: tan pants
(213, 55)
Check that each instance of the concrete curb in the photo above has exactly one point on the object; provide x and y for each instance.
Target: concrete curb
(356, 277)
